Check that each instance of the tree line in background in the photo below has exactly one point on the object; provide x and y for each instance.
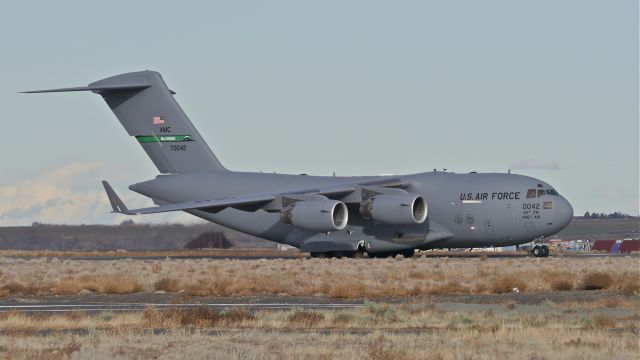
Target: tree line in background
(613, 215)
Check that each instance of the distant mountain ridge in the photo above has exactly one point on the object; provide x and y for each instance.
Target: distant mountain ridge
(113, 237)
(131, 236)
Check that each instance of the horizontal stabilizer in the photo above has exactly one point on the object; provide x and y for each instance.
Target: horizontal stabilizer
(122, 87)
(117, 204)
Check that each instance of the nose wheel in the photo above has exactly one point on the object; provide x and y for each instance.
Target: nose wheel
(540, 251)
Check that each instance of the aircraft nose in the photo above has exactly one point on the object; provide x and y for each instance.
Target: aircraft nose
(564, 212)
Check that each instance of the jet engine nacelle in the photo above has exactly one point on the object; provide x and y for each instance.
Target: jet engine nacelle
(316, 215)
(395, 209)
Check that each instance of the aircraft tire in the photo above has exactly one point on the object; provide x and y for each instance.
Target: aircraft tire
(537, 251)
(545, 250)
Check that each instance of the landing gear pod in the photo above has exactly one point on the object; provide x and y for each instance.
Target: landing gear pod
(396, 209)
(316, 215)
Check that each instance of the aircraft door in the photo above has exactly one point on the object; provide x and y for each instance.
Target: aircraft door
(488, 227)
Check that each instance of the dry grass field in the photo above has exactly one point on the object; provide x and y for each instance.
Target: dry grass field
(377, 331)
(334, 278)
(412, 328)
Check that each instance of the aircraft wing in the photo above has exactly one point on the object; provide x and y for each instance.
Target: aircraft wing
(119, 207)
(255, 200)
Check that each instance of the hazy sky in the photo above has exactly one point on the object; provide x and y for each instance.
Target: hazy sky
(546, 88)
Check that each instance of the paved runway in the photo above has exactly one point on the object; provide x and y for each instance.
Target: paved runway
(93, 303)
(133, 307)
(96, 303)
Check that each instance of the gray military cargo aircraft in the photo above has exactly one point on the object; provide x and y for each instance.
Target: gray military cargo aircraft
(324, 215)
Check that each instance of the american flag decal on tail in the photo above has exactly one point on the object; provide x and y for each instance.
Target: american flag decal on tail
(157, 120)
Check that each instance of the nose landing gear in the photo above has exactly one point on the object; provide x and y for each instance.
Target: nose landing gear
(540, 251)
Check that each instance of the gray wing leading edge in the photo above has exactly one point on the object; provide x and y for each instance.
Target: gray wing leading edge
(264, 201)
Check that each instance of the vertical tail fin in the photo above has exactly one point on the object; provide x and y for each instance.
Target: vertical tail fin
(146, 108)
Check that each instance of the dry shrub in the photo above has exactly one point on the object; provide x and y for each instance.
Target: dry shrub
(396, 289)
(347, 290)
(156, 267)
(507, 284)
(121, 285)
(631, 286)
(379, 348)
(343, 318)
(450, 287)
(305, 318)
(14, 287)
(420, 275)
(603, 322)
(421, 307)
(152, 318)
(581, 343)
(561, 285)
(381, 311)
(75, 315)
(167, 284)
(4, 315)
(237, 315)
(418, 290)
(107, 284)
(70, 286)
(488, 314)
(611, 302)
(596, 280)
(66, 351)
(215, 287)
(558, 280)
(198, 316)
(480, 288)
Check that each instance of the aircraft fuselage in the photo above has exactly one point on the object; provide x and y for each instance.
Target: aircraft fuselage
(464, 210)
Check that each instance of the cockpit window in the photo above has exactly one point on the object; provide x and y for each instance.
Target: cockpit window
(534, 193)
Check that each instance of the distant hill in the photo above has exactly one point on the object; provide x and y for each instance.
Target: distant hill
(600, 229)
(112, 237)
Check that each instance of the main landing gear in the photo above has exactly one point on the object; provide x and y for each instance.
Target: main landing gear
(406, 253)
(359, 253)
(540, 251)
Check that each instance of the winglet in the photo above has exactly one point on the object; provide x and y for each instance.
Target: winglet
(117, 204)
